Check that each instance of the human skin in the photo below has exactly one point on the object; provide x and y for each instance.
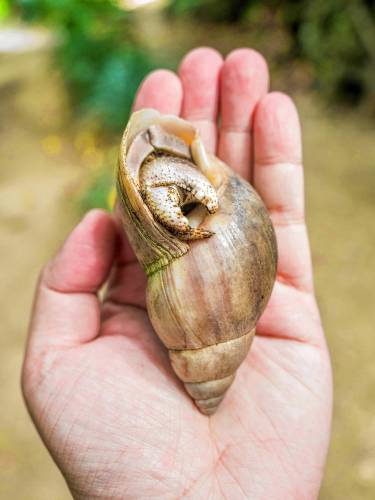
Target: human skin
(97, 381)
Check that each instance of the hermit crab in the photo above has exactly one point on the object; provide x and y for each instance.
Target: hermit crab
(207, 245)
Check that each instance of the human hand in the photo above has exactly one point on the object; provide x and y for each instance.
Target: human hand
(97, 381)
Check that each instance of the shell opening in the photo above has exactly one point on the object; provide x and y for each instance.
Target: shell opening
(171, 185)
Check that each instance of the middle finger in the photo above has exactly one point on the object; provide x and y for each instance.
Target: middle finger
(199, 73)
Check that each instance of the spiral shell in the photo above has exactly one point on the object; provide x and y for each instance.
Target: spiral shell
(209, 276)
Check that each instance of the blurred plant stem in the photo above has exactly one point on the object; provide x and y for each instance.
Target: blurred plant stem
(4, 10)
(364, 26)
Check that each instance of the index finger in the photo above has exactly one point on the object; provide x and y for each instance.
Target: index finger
(243, 82)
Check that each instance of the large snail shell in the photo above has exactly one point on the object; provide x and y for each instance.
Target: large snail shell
(204, 296)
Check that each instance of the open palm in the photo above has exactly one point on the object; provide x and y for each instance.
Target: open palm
(98, 382)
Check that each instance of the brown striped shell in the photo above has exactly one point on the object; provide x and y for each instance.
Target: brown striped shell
(204, 296)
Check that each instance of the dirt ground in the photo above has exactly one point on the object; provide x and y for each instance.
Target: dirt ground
(36, 214)
(41, 167)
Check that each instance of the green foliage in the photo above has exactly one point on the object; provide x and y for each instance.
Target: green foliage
(4, 9)
(98, 57)
(211, 10)
(98, 193)
(330, 34)
(103, 65)
(336, 36)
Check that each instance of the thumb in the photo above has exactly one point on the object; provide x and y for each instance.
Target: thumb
(66, 309)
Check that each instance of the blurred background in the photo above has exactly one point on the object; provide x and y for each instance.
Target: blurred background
(68, 74)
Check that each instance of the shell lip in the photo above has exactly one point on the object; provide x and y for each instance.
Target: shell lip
(163, 246)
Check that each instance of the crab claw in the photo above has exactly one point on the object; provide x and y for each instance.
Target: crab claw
(164, 203)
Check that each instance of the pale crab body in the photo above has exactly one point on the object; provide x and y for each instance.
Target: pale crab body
(169, 183)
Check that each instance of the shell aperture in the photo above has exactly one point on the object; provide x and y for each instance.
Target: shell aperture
(169, 181)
